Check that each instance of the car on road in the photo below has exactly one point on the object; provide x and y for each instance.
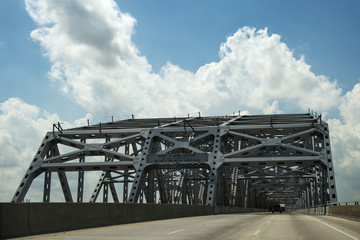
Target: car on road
(278, 208)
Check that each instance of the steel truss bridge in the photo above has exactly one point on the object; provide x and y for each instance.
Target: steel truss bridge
(241, 161)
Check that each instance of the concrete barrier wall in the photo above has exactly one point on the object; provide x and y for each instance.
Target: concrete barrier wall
(350, 212)
(320, 210)
(22, 219)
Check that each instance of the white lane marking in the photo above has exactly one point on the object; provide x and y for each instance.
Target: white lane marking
(176, 231)
(256, 233)
(219, 220)
(335, 228)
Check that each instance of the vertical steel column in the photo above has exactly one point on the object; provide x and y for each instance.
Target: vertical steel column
(105, 189)
(210, 196)
(317, 186)
(202, 189)
(234, 181)
(196, 191)
(238, 194)
(80, 189)
(215, 160)
(184, 191)
(227, 185)
(307, 196)
(47, 180)
(126, 173)
(220, 188)
(190, 192)
(313, 192)
(253, 198)
(107, 176)
(125, 187)
(179, 187)
(324, 183)
(140, 165)
(47, 186)
(151, 187)
(246, 191)
(330, 166)
(161, 185)
(141, 195)
(203, 185)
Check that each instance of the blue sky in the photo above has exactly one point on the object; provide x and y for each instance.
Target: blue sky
(189, 33)
(23, 67)
(166, 58)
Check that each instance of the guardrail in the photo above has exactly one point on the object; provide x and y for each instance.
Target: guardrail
(348, 203)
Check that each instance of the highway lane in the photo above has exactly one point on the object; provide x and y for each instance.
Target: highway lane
(231, 226)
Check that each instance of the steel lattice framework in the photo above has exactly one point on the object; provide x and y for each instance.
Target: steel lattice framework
(244, 161)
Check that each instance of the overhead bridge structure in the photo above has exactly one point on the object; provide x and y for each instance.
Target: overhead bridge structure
(241, 161)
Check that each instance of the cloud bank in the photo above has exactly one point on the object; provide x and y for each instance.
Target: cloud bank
(21, 131)
(345, 136)
(96, 64)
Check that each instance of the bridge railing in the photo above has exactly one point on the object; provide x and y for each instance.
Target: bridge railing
(348, 203)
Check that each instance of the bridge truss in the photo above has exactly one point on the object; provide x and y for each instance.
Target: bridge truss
(240, 161)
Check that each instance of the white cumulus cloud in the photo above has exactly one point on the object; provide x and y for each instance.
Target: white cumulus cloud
(345, 137)
(22, 127)
(98, 66)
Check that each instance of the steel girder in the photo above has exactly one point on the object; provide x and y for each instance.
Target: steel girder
(244, 161)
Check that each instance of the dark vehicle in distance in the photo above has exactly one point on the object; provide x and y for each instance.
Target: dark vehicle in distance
(278, 208)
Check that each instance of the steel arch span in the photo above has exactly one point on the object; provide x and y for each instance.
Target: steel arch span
(241, 161)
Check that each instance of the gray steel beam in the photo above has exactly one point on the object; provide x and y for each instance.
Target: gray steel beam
(87, 166)
(34, 169)
(65, 186)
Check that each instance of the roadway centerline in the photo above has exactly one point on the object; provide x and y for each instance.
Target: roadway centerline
(176, 231)
(334, 228)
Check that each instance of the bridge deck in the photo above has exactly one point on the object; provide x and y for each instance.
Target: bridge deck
(234, 226)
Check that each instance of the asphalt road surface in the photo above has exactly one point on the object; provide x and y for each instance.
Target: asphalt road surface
(224, 227)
